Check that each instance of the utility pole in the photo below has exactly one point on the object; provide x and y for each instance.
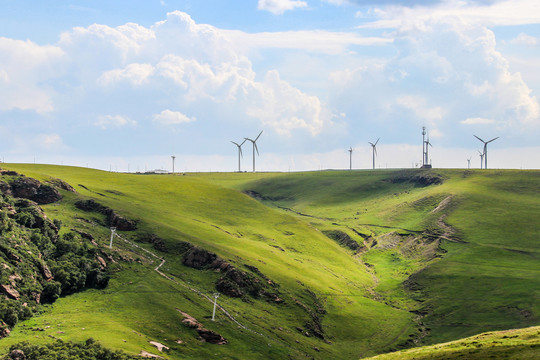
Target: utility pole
(216, 295)
(113, 231)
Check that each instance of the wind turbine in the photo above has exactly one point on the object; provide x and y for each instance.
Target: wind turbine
(481, 158)
(374, 150)
(350, 158)
(428, 144)
(239, 152)
(485, 148)
(468, 163)
(254, 142)
(172, 157)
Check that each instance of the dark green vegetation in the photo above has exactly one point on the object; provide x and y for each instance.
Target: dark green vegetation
(324, 264)
(60, 350)
(37, 265)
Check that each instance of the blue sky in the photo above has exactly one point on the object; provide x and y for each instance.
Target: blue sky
(126, 84)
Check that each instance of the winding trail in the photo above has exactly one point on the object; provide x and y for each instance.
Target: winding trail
(157, 269)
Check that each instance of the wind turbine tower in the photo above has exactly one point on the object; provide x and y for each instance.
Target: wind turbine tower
(374, 150)
(254, 142)
(425, 148)
(173, 157)
(485, 148)
(468, 163)
(481, 158)
(239, 152)
(350, 158)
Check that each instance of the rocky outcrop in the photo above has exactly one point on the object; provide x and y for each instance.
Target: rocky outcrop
(343, 239)
(112, 218)
(206, 335)
(10, 291)
(61, 184)
(25, 187)
(211, 337)
(419, 178)
(198, 258)
(31, 189)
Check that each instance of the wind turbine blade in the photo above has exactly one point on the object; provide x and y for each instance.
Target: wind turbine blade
(235, 143)
(492, 140)
(479, 138)
(248, 139)
(240, 150)
(375, 149)
(256, 148)
(371, 144)
(376, 142)
(243, 142)
(258, 135)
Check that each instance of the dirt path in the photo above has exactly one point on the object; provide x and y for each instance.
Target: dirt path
(210, 299)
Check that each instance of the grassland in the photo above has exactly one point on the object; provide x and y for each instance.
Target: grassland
(518, 344)
(467, 249)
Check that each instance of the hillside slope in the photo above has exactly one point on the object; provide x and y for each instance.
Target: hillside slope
(484, 274)
(315, 298)
(324, 265)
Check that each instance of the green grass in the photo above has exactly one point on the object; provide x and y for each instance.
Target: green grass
(517, 344)
(489, 281)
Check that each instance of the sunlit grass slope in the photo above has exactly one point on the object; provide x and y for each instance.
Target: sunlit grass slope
(520, 344)
(140, 306)
(486, 278)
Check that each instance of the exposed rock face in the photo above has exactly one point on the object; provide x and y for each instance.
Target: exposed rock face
(211, 337)
(206, 335)
(343, 239)
(46, 195)
(29, 188)
(10, 291)
(113, 219)
(61, 184)
(24, 187)
(198, 258)
(418, 178)
(45, 271)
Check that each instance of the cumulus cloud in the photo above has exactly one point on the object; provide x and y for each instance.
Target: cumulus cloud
(25, 69)
(285, 108)
(168, 117)
(527, 40)
(487, 13)
(477, 121)
(114, 121)
(136, 74)
(444, 72)
(278, 7)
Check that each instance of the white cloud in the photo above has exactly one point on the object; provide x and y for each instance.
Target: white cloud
(443, 72)
(421, 109)
(497, 13)
(477, 121)
(318, 41)
(278, 7)
(25, 69)
(135, 74)
(527, 40)
(285, 108)
(49, 141)
(168, 117)
(114, 121)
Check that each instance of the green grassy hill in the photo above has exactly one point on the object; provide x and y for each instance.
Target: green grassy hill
(520, 344)
(331, 264)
